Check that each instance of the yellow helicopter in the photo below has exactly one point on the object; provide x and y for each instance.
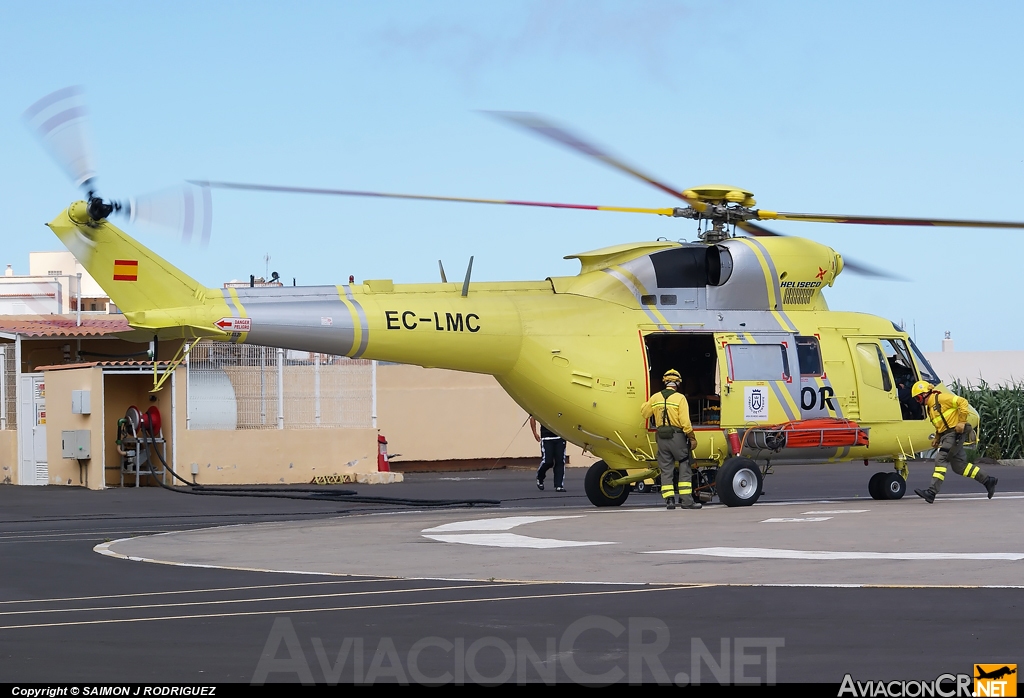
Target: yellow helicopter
(772, 376)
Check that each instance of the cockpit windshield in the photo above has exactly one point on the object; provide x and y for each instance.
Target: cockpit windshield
(927, 372)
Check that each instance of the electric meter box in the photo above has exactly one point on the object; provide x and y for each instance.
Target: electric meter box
(81, 402)
(75, 444)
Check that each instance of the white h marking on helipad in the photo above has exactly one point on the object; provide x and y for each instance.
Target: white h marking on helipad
(501, 540)
(780, 554)
(790, 519)
(502, 524)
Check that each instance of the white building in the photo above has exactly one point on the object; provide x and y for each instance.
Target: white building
(55, 285)
(997, 368)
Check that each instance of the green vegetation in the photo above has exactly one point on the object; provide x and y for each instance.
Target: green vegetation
(1002, 417)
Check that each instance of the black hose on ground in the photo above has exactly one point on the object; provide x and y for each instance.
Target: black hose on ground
(304, 493)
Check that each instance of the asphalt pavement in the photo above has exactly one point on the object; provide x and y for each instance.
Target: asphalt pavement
(410, 592)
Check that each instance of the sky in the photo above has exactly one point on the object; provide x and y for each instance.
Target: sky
(873, 108)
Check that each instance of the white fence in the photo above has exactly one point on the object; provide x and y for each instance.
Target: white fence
(245, 386)
(8, 389)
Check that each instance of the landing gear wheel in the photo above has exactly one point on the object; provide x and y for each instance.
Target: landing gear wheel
(599, 491)
(894, 486)
(738, 482)
(642, 487)
(876, 485)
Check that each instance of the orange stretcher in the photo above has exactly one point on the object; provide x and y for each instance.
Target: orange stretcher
(808, 433)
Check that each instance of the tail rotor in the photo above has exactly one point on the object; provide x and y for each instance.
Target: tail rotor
(61, 122)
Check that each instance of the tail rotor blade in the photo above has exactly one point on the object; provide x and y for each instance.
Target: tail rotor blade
(60, 120)
(186, 210)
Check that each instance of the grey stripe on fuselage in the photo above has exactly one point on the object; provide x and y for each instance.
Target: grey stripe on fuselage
(305, 318)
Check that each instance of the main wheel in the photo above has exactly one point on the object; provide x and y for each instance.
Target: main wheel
(876, 486)
(599, 491)
(894, 486)
(738, 482)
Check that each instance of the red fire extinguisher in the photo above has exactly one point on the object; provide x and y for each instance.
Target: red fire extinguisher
(382, 455)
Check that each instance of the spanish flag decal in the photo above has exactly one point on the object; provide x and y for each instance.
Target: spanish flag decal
(126, 270)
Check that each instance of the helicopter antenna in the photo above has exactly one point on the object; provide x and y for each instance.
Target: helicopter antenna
(465, 284)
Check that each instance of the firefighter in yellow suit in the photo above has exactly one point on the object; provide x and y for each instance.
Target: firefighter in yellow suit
(676, 441)
(948, 413)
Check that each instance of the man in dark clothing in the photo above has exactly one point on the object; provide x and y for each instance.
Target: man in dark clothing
(552, 455)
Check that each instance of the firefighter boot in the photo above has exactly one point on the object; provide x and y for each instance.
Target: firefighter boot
(990, 485)
(927, 495)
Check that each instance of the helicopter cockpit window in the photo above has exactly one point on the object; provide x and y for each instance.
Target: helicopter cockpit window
(904, 374)
(808, 353)
(758, 362)
(899, 362)
(927, 372)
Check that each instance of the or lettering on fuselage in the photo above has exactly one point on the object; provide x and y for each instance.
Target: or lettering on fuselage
(817, 399)
(439, 322)
(800, 284)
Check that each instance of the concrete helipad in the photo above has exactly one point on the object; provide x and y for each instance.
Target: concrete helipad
(958, 541)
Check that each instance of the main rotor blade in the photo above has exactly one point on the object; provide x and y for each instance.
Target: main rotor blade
(848, 264)
(884, 220)
(60, 121)
(540, 126)
(424, 197)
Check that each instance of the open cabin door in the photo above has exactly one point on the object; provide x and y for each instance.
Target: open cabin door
(877, 399)
(757, 376)
(693, 354)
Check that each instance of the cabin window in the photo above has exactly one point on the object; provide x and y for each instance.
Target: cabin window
(873, 367)
(669, 299)
(648, 300)
(808, 354)
(758, 362)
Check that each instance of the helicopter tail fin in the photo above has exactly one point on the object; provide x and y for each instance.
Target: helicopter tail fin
(151, 292)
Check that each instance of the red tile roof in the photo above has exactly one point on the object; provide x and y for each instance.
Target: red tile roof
(104, 364)
(63, 326)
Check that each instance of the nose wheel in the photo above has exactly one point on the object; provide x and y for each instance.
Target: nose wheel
(884, 485)
(599, 484)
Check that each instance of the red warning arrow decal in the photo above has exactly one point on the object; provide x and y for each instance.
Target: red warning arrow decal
(234, 324)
